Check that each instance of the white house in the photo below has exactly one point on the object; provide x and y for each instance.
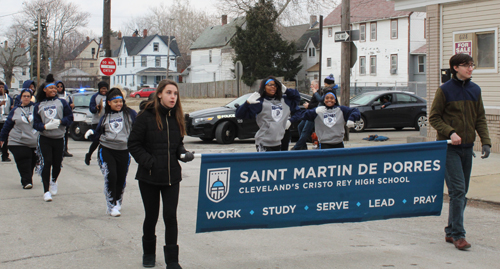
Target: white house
(211, 54)
(142, 61)
(387, 40)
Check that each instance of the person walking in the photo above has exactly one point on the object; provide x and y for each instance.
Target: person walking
(96, 107)
(61, 93)
(457, 113)
(18, 129)
(329, 121)
(156, 143)
(27, 84)
(51, 116)
(306, 126)
(6, 105)
(275, 108)
(112, 132)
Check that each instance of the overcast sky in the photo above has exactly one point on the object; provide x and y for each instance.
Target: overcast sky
(121, 11)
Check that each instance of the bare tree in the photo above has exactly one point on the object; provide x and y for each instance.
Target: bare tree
(13, 54)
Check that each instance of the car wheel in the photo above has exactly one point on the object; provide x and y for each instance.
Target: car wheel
(206, 139)
(137, 96)
(421, 121)
(225, 133)
(77, 131)
(360, 125)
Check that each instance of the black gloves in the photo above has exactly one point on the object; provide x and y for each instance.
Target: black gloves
(187, 157)
(486, 151)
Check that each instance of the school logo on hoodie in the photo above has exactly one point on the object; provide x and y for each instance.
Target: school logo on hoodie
(218, 184)
(329, 119)
(116, 125)
(277, 111)
(50, 111)
(27, 118)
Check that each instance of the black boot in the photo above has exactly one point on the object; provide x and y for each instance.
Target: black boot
(172, 256)
(149, 250)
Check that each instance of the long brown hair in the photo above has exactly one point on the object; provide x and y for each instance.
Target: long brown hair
(156, 103)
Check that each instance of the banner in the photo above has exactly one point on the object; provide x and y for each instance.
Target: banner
(295, 188)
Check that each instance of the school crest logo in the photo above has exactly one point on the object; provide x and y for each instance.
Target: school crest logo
(277, 111)
(329, 119)
(50, 111)
(27, 118)
(218, 184)
(116, 125)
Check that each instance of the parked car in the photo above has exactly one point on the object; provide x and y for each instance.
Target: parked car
(82, 117)
(220, 123)
(405, 110)
(144, 92)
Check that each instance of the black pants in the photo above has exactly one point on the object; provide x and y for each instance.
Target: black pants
(50, 152)
(26, 161)
(331, 146)
(114, 167)
(5, 150)
(151, 199)
(66, 139)
(94, 144)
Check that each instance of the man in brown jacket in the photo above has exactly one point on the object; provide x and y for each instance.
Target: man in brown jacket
(457, 112)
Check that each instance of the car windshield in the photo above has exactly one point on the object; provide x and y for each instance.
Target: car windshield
(363, 99)
(82, 100)
(240, 100)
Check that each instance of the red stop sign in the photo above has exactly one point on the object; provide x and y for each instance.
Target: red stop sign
(108, 66)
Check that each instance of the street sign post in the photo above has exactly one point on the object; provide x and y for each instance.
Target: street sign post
(347, 36)
(107, 66)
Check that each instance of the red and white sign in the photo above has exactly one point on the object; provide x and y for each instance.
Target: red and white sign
(464, 47)
(107, 66)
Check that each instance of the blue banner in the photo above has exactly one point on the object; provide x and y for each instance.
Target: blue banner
(295, 188)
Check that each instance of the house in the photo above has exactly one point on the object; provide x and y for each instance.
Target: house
(388, 50)
(84, 57)
(143, 61)
(21, 71)
(475, 32)
(211, 53)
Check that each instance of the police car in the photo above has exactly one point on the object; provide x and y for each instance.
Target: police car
(221, 124)
(82, 117)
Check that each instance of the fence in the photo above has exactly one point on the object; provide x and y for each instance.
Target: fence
(419, 88)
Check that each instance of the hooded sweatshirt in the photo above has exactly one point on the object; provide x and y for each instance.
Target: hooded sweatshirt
(64, 95)
(26, 85)
(18, 128)
(52, 108)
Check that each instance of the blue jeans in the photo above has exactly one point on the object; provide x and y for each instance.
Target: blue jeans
(457, 177)
(305, 130)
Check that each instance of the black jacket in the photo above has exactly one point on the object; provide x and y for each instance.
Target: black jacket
(157, 151)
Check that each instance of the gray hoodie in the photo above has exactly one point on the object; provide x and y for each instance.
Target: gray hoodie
(272, 122)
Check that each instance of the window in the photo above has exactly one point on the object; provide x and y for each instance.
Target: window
(485, 50)
(362, 32)
(362, 65)
(328, 62)
(20, 84)
(157, 79)
(210, 56)
(394, 29)
(405, 98)
(125, 76)
(330, 32)
(24, 72)
(312, 52)
(133, 61)
(91, 65)
(373, 65)
(479, 44)
(421, 64)
(144, 61)
(373, 31)
(93, 52)
(157, 61)
(156, 46)
(144, 80)
(125, 61)
(394, 63)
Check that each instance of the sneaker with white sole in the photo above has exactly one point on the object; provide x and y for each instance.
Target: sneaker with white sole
(115, 212)
(28, 186)
(53, 187)
(118, 205)
(47, 197)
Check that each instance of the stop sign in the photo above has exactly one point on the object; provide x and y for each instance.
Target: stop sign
(108, 66)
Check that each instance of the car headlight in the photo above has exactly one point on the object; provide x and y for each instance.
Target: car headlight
(202, 120)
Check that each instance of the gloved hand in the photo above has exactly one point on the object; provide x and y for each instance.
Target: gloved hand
(187, 157)
(52, 124)
(350, 124)
(253, 98)
(320, 109)
(88, 133)
(486, 151)
(288, 123)
(283, 87)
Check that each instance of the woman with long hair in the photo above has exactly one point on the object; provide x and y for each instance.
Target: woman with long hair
(112, 132)
(156, 143)
(275, 108)
(52, 115)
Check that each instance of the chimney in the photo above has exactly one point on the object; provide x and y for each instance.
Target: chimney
(313, 19)
(145, 33)
(119, 35)
(88, 39)
(224, 19)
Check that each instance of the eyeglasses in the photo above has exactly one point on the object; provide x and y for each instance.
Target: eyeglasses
(473, 66)
(271, 85)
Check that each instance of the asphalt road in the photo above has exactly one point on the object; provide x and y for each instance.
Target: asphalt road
(73, 231)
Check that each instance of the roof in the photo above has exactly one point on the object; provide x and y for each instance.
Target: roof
(21, 61)
(217, 36)
(421, 50)
(312, 34)
(314, 68)
(294, 33)
(366, 10)
(134, 45)
(76, 52)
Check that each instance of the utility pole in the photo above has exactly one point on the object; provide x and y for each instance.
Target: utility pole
(106, 33)
(320, 48)
(38, 48)
(345, 62)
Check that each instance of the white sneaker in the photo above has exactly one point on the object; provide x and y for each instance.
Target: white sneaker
(115, 212)
(118, 206)
(53, 187)
(47, 197)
